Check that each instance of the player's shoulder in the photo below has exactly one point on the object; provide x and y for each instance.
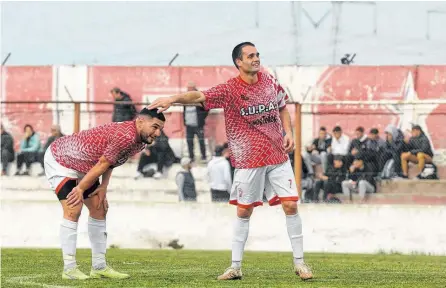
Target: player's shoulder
(123, 129)
(266, 76)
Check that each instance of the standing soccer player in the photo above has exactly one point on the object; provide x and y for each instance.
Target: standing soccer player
(73, 165)
(255, 115)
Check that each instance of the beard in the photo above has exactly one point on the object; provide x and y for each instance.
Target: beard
(146, 139)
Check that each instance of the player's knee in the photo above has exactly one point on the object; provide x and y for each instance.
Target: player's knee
(72, 214)
(244, 213)
(98, 213)
(289, 207)
(405, 155)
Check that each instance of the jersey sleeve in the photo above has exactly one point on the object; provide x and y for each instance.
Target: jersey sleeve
(217, 96)
(118, 143)
(282, 96)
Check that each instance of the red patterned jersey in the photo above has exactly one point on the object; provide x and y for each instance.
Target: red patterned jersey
(81, 151)
(253, 125)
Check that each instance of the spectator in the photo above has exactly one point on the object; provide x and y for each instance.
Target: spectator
(359, 143)
(55, 133)
(160, 153)
(331, 181)
(186, 182)
(340, 144)
(362, 178)
(29, 150)
(8, 153)
(419, 151)
(375, 147)
(194, 119)
(393, 148)
(317, 152)
(219, 175)
(122, 112)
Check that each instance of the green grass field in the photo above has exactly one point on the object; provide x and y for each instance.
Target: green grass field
(178, 268)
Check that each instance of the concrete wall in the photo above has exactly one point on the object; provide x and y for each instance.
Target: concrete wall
(139, 224)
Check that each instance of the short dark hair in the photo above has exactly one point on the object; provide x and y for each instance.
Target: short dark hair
(152, 113)
(323, 129)
(337, 129)
(115, 90)
(374, 131)
(360, 129)
(417, 127)
(237, 51)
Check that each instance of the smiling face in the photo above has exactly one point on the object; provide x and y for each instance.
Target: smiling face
(250, 60)
(148, 128)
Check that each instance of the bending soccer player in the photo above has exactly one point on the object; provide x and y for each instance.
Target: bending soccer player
(256, 116)
(73, 165)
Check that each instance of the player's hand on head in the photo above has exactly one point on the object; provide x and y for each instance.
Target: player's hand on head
(75, 197)
(163, 103)
(288, 143)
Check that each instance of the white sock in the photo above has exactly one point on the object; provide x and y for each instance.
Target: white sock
(98, 239)
(294, 227)
(241, 230)
(68, 238)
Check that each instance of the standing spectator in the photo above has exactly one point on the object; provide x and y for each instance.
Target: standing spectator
(194, 119)
(375, 147)
(219, 174)
(186, 182)
(331, 181)
(419, 151)
(317, 152)
(394, 146)
(363, 180)
(8, 153)
(340, 144)
(122, 112)
(55, 133)
(29, 150)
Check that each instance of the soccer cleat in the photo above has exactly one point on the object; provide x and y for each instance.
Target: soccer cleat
(303, 271)
(74, 274)
(231, 274)
(107, 272)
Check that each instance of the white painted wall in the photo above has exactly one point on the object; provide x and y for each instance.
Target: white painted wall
(327, 228)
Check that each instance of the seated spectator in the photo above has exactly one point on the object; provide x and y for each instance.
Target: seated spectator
(186, 182)
(375, 147)
(317, 152)
(340, 144)
(418, 150)
(362, 178)
(391, 156)
(219, 175)
(160, 153)
(8, 153)
(331, 181)
(358, 144)
(29, 150)
(55, 133)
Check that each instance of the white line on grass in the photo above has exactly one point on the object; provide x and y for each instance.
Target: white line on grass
(25, 280)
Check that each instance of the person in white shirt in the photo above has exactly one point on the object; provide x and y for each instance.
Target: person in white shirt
(219, 175)
(340, 143)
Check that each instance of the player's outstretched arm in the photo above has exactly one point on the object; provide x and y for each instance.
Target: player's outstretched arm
(76, 195)
(189, 97)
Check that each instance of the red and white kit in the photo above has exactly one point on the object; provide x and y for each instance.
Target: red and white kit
(255, 137)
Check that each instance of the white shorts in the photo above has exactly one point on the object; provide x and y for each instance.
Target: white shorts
(57, 174)
(276, 182)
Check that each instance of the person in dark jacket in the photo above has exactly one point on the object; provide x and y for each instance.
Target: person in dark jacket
(358, 144)
(393, 148)
(7, 150)
(55, 134)
(194, 119)
(374, 151)
(317, 152)
(186, 182)
(362, 178)
(419, 151)
(331, 181)
(122, 112)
